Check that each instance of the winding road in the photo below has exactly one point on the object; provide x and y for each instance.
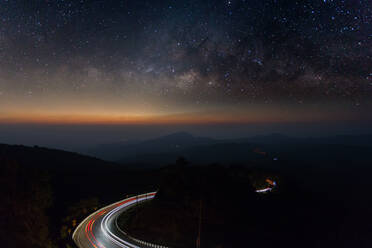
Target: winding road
(100, 229)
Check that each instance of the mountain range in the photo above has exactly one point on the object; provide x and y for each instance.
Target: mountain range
(167, 149)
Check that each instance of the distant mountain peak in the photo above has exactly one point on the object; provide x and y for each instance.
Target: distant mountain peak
(278, 135)
(174, 137)
(270, 136)
(179, 135)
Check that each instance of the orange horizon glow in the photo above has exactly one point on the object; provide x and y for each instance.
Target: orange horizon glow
(158, 119)
(122, 120)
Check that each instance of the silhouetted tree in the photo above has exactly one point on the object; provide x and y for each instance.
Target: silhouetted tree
(26, 196)
(182, 161)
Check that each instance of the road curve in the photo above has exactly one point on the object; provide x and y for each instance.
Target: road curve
(100, 229)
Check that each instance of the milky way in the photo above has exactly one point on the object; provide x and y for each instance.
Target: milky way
(148, 58)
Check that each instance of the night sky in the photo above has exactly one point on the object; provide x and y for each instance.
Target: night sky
(185, 62)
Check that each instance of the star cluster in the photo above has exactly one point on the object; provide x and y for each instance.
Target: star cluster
(143, 56)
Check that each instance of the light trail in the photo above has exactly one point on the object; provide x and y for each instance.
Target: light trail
(268, 189)
(100, 229)
(263, 190)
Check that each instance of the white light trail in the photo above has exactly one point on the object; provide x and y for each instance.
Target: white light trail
(105, 226)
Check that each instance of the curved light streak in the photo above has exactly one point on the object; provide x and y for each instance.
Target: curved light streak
(109, 238)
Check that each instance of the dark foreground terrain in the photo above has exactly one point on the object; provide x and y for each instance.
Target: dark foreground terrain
(321, 200)
(45, 193)
(314, 211)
